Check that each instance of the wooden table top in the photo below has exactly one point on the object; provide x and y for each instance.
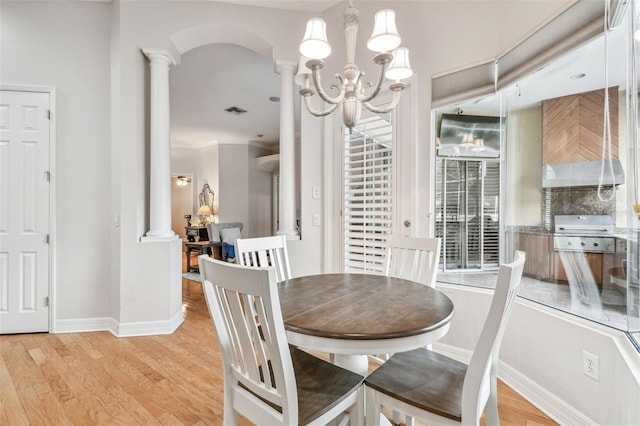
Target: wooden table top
(361, 307)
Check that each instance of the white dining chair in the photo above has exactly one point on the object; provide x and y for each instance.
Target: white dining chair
(265, 251)
(429, 386)
(413, 258)
(266, 380)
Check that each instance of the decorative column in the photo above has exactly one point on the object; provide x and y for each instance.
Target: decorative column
(287, 197)
(160, 157)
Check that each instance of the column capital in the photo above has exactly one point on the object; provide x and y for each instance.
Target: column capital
(159, 56)
(285, 64)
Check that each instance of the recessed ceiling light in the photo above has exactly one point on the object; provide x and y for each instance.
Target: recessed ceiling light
(260, 135)
(577, 76)
(274, 99)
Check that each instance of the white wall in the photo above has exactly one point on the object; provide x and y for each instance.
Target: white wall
(234, 185)
(66, 45)
(115, 151)
(524, 167)
(245, 191)
(306, 255)
(259, 195)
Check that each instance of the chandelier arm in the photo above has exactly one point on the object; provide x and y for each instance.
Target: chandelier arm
(315, 112)
(376, 90)
(388, 107)
(318, 86)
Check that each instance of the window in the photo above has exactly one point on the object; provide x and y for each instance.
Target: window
(367, 209)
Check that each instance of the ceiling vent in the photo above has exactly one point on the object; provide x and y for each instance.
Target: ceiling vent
(235, 110)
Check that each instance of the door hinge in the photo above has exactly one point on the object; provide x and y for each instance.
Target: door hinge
(49, 114)
(47, 176)
(46, 301)
(48, 239)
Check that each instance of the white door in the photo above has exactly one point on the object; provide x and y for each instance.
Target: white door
(24, 212)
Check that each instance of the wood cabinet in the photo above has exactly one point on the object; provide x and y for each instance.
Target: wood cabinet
(538, 248)
(599, 264)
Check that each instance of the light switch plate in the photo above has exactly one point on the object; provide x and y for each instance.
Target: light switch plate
(315, 192)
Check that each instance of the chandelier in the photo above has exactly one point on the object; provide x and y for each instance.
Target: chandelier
(353, 93)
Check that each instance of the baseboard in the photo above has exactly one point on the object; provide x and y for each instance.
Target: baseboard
(150, 328)
(459, 354)
(144, 328)
(541, 398)
(85, 325)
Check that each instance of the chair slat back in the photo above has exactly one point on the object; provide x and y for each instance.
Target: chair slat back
(265, 251)
(245, 307)
(475, 390)
(414, 259)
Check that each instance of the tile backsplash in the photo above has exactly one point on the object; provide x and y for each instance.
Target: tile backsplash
(577, 200)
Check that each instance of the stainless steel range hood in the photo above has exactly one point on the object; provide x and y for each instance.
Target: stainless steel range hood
(581, 174)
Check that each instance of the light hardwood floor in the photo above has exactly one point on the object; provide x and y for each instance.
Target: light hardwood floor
(96, 378)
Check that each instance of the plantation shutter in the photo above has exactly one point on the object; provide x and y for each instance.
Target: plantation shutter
(367, 194)
(491, 214)
(468, 213)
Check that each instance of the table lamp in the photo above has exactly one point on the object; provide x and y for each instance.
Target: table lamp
(203, 213)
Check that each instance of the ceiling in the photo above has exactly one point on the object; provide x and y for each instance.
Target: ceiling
(301, 5)
(213, 78)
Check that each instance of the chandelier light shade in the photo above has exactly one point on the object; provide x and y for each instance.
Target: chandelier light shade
(385, 35)
(315, 44)
(467, 140)
(353, 92)
(399, 69)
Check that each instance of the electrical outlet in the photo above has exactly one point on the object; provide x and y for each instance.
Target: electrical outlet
(591, 365)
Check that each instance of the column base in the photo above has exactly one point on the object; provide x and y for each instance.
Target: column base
(157, 236)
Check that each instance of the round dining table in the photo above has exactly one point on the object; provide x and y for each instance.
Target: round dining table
(354, 315)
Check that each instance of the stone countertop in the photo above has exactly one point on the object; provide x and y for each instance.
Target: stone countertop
(537, 230)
